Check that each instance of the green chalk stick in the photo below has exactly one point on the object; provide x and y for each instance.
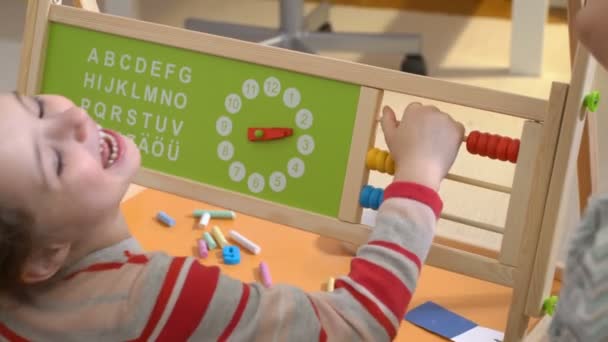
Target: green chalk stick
(217, 214)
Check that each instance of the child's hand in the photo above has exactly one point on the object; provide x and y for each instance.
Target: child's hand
(424, 144)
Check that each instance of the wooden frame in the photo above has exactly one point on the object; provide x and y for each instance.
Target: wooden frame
(549, 141)
(363, 139)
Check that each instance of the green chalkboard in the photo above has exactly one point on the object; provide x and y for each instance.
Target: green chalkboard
(189, 113)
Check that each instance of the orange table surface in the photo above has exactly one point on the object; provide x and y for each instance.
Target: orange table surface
(304, 259)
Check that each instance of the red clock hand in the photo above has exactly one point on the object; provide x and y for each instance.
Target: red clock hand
(268, 133)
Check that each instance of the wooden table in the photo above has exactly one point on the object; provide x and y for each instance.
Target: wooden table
(304, 259)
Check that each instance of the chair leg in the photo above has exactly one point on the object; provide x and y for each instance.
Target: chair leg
(237, 31)
(313, 33)
(318, 19)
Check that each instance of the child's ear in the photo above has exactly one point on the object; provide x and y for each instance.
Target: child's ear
(43, 264)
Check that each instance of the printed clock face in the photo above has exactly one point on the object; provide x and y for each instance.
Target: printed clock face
(276, 132)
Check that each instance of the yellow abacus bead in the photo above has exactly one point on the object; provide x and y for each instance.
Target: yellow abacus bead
(390, 165)
(370, 159)
(380, 158)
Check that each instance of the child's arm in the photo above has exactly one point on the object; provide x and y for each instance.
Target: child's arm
(367, 304)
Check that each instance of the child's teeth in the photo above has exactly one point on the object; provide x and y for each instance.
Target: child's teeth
(112, 144)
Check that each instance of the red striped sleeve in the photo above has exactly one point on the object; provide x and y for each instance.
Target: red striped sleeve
(194, 298)
(97, 268)
(322, 333)
(383, 284)
(106, 266)
(163, 298)
(399, 249)
(371, 307)
(238, 313)
(10, 335)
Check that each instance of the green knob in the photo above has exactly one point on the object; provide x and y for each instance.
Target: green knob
(592, 101)
(549, 305)
(259, 133)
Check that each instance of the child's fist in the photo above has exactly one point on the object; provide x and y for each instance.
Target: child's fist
(424, 144)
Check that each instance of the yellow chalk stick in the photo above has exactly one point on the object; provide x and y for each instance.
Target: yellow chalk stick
(219, 237)
(330, 284)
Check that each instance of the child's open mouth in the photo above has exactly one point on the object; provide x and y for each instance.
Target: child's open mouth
(110, 147)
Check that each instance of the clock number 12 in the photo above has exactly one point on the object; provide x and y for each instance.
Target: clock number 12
(272, 86)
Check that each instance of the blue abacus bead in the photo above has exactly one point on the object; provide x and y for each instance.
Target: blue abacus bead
(379, 198)
(364, 196)
(376, 198)
(231, 255)
(166, 219)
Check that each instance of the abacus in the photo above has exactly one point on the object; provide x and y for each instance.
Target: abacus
(543, 155)
(488, 145)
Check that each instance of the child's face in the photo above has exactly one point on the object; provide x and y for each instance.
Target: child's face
(55, 165)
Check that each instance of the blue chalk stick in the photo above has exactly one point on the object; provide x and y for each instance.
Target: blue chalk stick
(166, 219)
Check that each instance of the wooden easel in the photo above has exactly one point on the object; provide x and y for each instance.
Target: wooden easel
(588, 156)
(587, 163)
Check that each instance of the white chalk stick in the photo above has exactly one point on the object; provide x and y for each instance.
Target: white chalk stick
(246, 243)
(204, 220)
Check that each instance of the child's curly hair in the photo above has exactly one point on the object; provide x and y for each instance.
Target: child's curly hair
(16, 243)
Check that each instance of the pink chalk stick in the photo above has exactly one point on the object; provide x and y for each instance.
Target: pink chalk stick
(265, 273)
(203, 252)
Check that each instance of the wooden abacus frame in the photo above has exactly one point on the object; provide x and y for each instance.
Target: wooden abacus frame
(549, 144)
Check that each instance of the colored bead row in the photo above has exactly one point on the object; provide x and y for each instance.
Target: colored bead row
(493, 146)
(380, 160)
(488, 145)
(371, 197)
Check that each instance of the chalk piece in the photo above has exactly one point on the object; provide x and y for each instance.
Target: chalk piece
(243, 241)
(231, 255)
(204, 220)
(210, 241)
(330, 284)
(265, 274)
(219, 236)
(166, 219)
(215, 214)
(203, 252)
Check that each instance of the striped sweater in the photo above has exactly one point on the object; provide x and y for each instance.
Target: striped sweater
(122, 293)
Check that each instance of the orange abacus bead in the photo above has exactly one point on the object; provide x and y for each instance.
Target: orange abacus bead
(493, 146)
(513, 151)
(501, 148)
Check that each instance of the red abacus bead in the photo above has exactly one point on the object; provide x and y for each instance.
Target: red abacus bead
(482, 144)
(493, 141)
(513, 151)
(472, 141)
(501, 149)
